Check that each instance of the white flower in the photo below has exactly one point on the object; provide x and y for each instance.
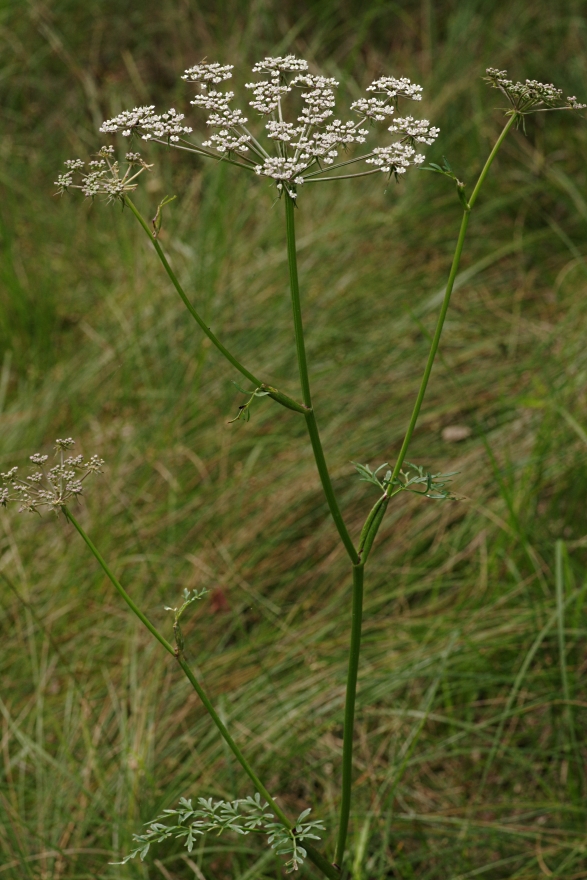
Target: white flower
(64, 181)
(417, 130)
(319, 101)
(324, 143)
(288, 64)
(144, 120)
(396, 88)
(225, 142)
(372, 108)
(217, 101)
(206, 73)
(395, 158)
(282, 131)
(280, 169)
(267, 94)
(230, 118)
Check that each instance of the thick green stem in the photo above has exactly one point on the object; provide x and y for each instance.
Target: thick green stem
(278, 396)
(349, 711)
(305, 383)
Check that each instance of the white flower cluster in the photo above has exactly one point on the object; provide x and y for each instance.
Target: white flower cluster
(395, 159)
(207, 73)
(372, 108)
(104, 176)
(419, 131)
(530, 95)
(294, 152)
(282, 169)
(226, 142)
(396, 88)
(51, 488)
(289, 64)
(223, 114)
(323, 144)
(282, 131)
(267, 94)
(145, 121)
(319, 101)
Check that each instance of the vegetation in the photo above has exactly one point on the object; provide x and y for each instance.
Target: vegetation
(470, 745)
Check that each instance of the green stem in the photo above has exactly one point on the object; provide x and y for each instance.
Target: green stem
(295, 299)
(278, 396)
(173, 278)
(490, 159)
(305, 383)
(446, 301)
(327, 487)
(349, 711)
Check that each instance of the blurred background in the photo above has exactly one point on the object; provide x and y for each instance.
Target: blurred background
(470, 739)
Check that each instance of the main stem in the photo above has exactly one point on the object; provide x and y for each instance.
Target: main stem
(305, 383)
(358, 568)
(349, 711)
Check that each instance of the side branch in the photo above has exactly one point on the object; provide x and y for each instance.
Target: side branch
(276, 395)
(446, 301)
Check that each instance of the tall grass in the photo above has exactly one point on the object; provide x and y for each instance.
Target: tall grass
(471, 715)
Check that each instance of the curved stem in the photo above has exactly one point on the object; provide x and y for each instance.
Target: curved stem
(173, 278)
(446, 301)
(490, 159)
(184, 665)
(274, 393)
(434, 346)
(305, 383)
(349, 711)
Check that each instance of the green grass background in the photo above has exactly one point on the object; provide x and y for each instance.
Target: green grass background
(470, 743)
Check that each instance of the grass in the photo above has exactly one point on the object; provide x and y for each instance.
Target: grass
(470, 737)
